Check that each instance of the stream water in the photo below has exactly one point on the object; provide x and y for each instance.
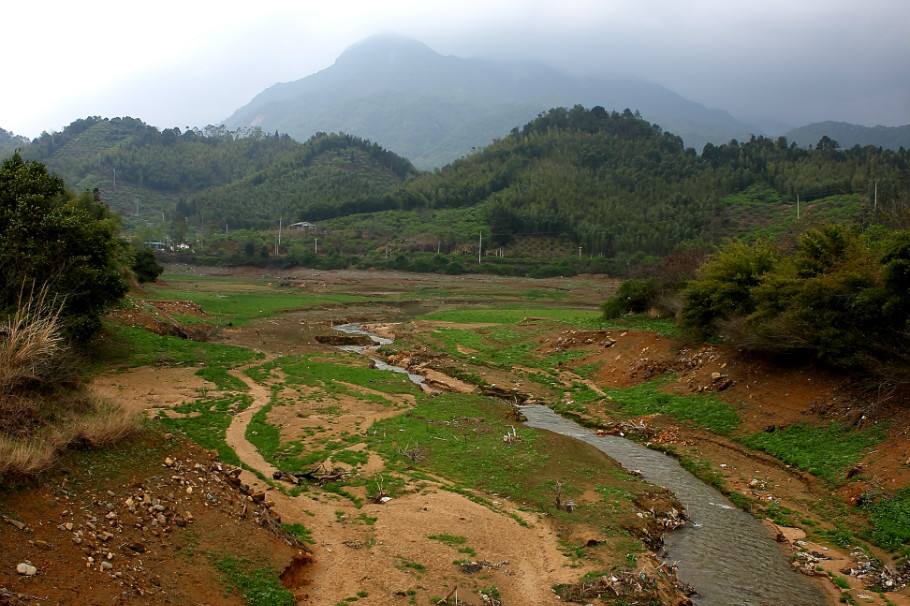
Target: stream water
(357, 329)
(724, 553)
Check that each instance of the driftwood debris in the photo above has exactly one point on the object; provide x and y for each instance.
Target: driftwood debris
(319, 474)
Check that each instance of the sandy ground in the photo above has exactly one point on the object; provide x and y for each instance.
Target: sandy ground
(139, 389)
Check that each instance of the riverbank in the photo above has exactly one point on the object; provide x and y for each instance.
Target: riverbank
(406, 493)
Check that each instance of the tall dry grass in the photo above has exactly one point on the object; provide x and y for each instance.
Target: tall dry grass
(42, 411)
(31, 339)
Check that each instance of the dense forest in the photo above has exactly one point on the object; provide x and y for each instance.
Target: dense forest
(615, 184)
(152, 175)
(573, 182)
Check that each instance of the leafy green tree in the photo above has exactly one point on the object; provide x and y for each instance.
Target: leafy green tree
(146, 266)
(50, 237)
(724, 286)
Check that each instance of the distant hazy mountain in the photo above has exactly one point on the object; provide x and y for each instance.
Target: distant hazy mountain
(433, 108)
(848, 135)
(10, 142)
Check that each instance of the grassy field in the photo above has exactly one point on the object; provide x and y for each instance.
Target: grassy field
(579, 318)
(238, 303)
(126, 346)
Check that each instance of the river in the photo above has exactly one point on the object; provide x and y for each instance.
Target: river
(727, 555)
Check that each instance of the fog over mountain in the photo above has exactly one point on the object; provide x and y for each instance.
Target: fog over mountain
(774, 64)
(433, 108)
(848, 135)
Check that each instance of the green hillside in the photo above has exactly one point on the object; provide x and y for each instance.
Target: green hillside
(154, 178)
(584, 190)
(573, 190)
(620, 187)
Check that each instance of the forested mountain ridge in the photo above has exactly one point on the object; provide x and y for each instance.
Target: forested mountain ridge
(571, 182)
(144, 173)
(848, 135)
(616, 184)
(10, 142)
(433, 108)
(590, 190)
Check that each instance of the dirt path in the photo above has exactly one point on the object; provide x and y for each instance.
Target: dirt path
(235, 436)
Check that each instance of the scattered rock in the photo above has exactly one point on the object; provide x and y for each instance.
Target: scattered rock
(26, 569)
(16, 523)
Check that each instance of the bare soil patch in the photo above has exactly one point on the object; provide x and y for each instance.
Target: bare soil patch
(139, 389)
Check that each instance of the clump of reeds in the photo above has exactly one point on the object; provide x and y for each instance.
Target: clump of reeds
(42, 409)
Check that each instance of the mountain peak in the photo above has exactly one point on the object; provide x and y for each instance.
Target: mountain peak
(385, 48)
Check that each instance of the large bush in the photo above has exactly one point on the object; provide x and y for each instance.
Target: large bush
(146, 266)
(50, 237)
(842, 296)
(633, 296)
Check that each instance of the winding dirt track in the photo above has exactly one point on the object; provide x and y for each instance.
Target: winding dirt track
(236, 431)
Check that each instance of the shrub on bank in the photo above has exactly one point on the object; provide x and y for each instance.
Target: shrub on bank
(841, 296)
(633, 296)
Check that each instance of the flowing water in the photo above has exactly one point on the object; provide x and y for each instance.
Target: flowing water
(724, 553)
(357, 329)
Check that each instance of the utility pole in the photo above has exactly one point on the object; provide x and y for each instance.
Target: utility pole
(278, 242)
(438, 246)
(579, 252)
(797, 207)
(115, 178)
(875, 203)
(315, 246)
(480, 249)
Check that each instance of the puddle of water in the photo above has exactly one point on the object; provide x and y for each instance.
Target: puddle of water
(725, 553)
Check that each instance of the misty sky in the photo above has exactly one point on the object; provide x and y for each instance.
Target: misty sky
(194, 62)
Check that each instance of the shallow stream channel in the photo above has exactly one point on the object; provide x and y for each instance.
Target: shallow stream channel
(727, 555)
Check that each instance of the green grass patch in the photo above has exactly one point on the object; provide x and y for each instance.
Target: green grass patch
(250, 303)
(454, 541)
(405, 564)
(826, 451)
(126, 346)
(209, 427)
(301, 532)
(328, 371)
(706, 411)
(265, 437)
(581, 318)
(515, 315)
(890, 521)
(459, 436)
(221, 378)
(259, 586)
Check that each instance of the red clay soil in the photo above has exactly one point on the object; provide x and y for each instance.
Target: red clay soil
(142, 524)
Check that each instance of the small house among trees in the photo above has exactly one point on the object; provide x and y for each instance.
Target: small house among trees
(302, 226)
